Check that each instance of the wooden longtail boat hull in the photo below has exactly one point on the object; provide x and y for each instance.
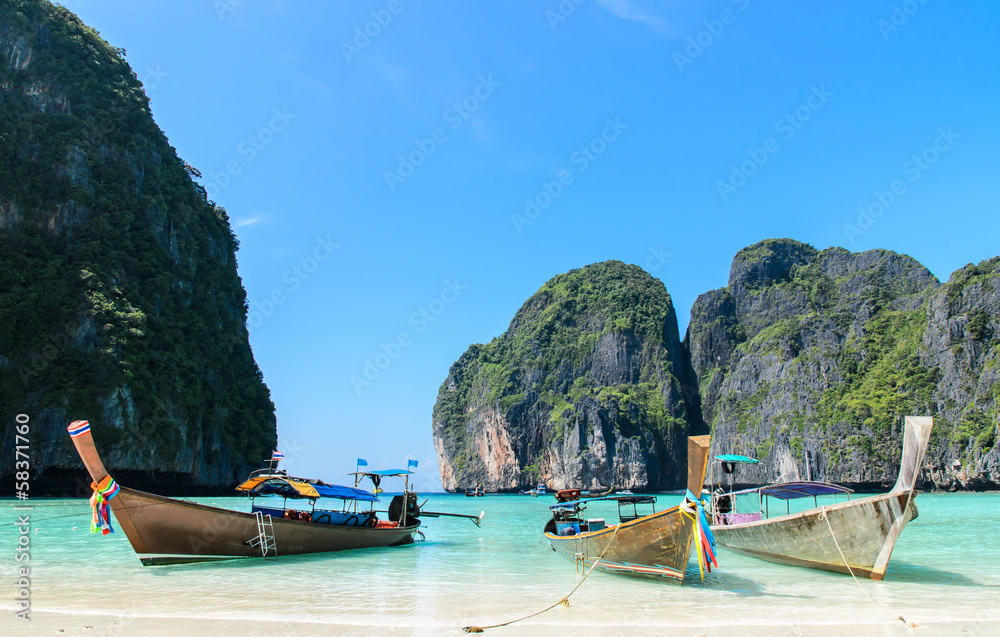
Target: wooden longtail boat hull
(167, 531)
(865, 529)
(656, 545)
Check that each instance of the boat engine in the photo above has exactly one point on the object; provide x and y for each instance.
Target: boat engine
(412, 509)
(567, 495)
(723, 503)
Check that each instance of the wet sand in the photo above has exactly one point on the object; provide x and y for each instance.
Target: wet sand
(558, 621)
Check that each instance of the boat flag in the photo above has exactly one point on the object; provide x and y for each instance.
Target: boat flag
(705, 542)
(277, 455)
(362, 462)
(411, 463)
(99, 504)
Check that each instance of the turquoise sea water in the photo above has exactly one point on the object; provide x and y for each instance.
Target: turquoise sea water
(945, 568)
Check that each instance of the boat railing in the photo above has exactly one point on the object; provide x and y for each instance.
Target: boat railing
(267, 471)
(724, 504)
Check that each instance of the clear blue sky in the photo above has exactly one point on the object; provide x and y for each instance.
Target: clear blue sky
(704, 128)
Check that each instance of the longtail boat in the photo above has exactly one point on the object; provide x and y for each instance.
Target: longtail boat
(853, 536)
(164, 530)
(652, 545)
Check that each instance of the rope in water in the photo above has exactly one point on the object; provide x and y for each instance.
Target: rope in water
(826, 518)
(562, 602)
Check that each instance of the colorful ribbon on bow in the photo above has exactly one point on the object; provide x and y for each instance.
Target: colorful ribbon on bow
(103, 493)
(695, 509)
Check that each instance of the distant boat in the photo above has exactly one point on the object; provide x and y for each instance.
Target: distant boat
(537, 491)
(855, 536)
(167, 531)
(475, 493)
(597, 491)
(655, 544)
(625, 492)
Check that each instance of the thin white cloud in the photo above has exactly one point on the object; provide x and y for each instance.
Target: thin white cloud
(312, 82)
(628, 10)
(248, 222)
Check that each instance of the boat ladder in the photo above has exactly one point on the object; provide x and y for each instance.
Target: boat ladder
(265, 536)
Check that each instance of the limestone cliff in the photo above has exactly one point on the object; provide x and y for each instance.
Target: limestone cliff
(119, 296)
(586, 388)
(962, 341)
(809, 360)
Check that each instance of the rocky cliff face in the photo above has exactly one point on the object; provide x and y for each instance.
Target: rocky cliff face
(962, 340)
(807, 360)
(586, 388)
(810, 360)
(119, 294)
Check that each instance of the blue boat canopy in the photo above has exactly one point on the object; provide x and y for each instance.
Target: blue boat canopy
(345, 493)
(793, 490)
(290, 487)
(734, 458)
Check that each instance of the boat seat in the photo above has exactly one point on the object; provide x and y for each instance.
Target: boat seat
(567, 528)
(341, 518)
(274, 513)
(596, 524)
(739, 518)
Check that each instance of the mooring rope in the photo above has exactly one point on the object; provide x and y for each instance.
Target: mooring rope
(826, 518)
(562, 602)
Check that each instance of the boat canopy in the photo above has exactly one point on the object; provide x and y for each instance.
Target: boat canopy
(793, 490)
(299, 488)
(621, 499)
(734, 458)
(386, 473)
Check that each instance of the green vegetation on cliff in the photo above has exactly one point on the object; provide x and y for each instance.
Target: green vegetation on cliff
(118, 285)
(602, 338)
(824, 352)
